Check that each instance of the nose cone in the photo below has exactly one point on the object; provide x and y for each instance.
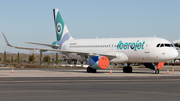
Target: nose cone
(173, 53)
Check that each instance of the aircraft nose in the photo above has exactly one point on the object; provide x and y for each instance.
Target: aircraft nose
(173, 54)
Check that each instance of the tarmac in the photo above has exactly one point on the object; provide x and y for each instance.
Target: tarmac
(81, 72)
(75, 84)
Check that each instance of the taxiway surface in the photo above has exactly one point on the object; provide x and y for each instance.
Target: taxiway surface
(77, 85)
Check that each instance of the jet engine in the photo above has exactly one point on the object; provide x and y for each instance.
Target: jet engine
(98, 62)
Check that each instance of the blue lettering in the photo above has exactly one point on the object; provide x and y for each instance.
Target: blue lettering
(139, 46)
(134, 46)
(126, 46)
(143, 45)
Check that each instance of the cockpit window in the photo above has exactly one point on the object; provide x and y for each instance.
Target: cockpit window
(172, 45)
(162, 45)
(158, 45)
(167, 45)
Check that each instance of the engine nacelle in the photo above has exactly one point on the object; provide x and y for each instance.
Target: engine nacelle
(98, 62)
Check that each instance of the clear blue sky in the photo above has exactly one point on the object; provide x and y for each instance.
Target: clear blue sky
(32, 20)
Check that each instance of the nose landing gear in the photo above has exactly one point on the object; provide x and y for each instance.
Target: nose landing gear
(156, 71)
(152, 66)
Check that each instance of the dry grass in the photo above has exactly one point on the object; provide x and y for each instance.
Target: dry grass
(24, 65)
(32, 66)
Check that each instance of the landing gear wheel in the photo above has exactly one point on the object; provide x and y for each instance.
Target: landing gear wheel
(124, 69)
(88, 69)
(91, 70)
(127, 69)
(156, 71)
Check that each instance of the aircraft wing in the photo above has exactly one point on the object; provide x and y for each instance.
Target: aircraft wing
(43, 44)
(109, 55)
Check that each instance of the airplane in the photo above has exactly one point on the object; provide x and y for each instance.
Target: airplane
(100, 52)
(177, 45)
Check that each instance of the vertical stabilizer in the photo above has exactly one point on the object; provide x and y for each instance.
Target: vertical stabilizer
(62, 32)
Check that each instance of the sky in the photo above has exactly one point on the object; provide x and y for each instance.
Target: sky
(32, 20)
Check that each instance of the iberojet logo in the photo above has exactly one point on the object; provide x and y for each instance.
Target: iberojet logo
(131, 45)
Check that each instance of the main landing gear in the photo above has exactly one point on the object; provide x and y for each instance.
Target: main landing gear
(127, 69)
(91, 70)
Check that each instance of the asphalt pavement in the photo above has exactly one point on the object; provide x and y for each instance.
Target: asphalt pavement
(77, 85)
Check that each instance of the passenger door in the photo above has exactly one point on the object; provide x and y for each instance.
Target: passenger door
(147, 46)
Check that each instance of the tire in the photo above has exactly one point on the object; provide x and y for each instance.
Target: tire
(91, 70)
(127, 69)
(88, 69)
(157, 71)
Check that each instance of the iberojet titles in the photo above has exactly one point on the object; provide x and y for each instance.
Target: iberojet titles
(137, 45)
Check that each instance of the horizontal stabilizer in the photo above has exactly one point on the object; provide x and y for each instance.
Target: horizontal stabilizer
(43, 44)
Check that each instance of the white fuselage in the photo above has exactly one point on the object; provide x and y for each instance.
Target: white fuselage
(127, 50)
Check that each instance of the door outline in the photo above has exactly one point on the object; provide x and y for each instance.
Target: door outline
(147, 46)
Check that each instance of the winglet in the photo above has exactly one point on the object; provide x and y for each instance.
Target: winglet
(7, 40)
